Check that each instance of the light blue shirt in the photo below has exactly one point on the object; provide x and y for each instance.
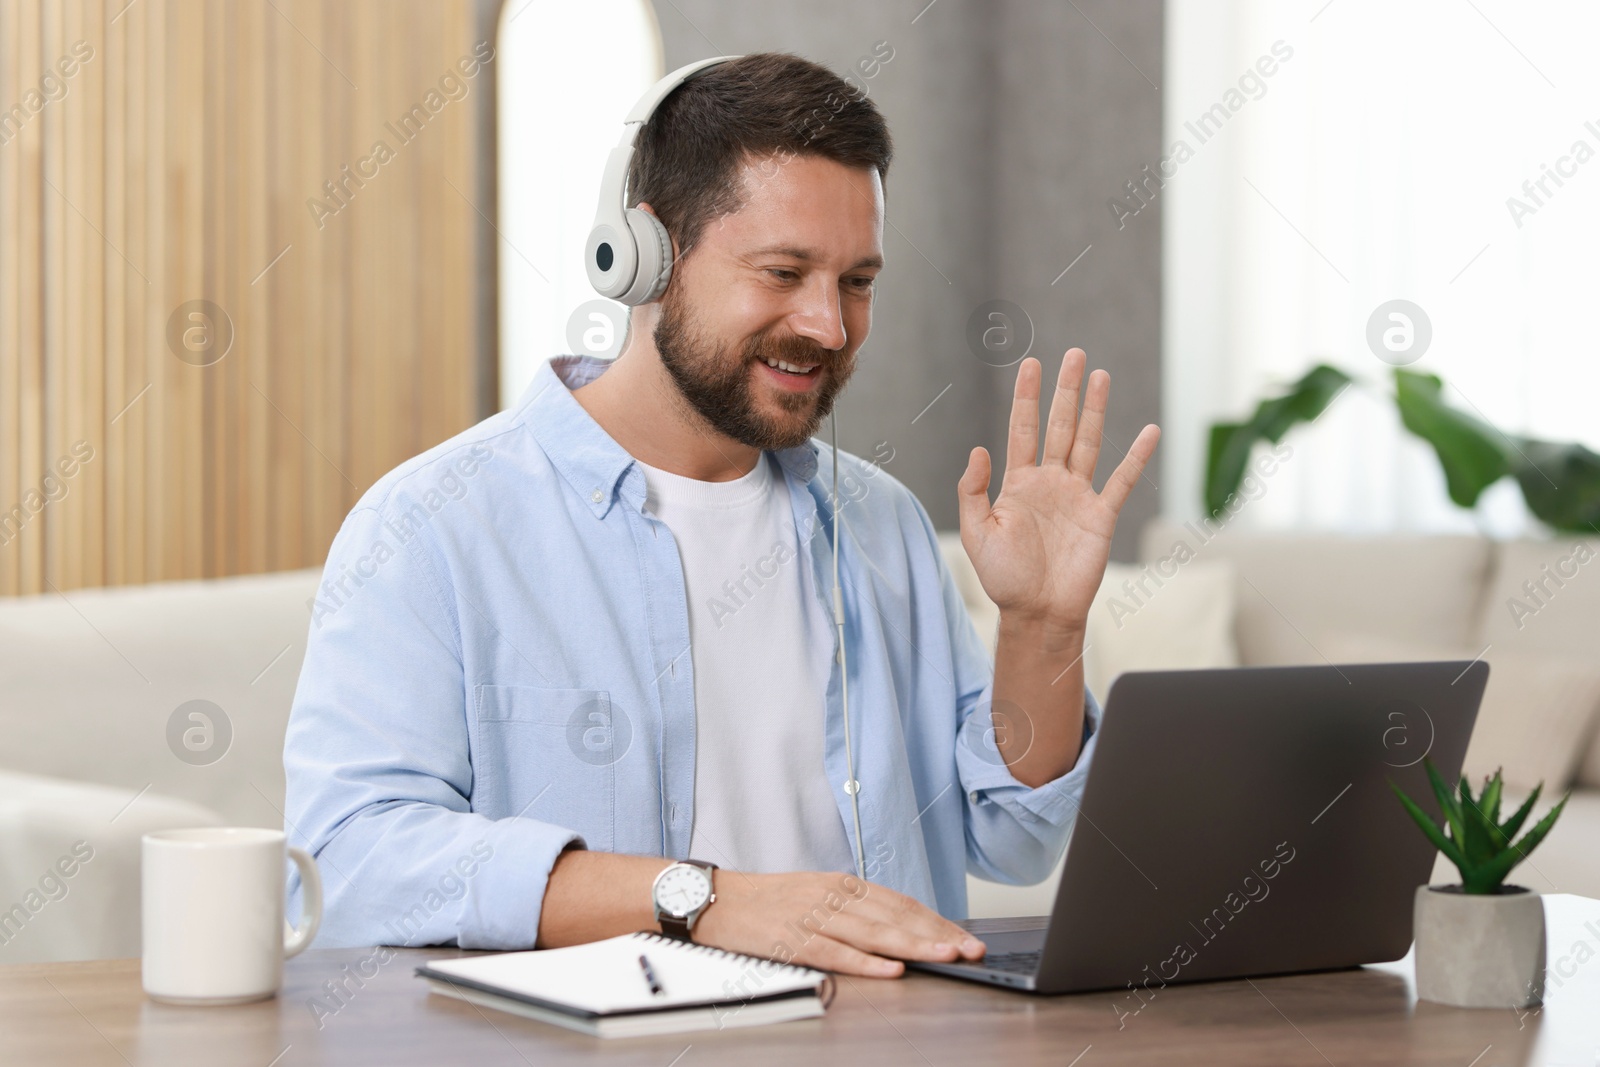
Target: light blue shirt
(498, 668)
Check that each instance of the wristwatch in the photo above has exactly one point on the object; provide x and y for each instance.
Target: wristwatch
(681, 894)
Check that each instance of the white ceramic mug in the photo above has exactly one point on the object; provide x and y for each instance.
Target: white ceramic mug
(214, 929)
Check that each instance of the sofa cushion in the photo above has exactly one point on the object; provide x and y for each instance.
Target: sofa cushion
(1154, 618)
(100, 685)
(1545, 596)
(69, 868)
(1537, 713)
(1142, 618)
(1588, 772)
(1296, 591)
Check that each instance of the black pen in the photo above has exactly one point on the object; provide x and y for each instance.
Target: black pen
(650, 976)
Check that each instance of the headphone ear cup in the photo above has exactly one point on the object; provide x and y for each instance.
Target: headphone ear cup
(650, 237)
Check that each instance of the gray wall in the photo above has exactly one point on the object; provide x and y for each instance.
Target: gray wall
(1015, 122)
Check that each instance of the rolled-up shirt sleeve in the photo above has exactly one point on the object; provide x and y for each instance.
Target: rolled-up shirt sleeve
(1016, 832)
(378, 762)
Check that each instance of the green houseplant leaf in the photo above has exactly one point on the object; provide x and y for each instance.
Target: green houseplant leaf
(1448, 804)
(1481, 848)
(1474, 454)
(1495, 870)
(1434, 834)
(1561, 483)
(1229, 449)
(1491, 809)
(1513, 824)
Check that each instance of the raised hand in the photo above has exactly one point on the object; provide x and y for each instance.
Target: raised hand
(1041, 549)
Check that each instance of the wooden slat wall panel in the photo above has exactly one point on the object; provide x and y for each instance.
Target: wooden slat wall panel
(12, 257)
(177, 166)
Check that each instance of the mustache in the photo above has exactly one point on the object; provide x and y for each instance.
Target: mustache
(792, 349)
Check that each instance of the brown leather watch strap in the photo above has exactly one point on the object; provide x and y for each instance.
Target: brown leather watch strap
(680, 929)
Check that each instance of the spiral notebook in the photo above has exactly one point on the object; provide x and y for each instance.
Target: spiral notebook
(601, 988)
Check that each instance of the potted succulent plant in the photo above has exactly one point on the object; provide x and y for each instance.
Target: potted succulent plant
(1480, 944)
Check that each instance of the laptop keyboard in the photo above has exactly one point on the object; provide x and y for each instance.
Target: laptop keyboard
(1012, 962)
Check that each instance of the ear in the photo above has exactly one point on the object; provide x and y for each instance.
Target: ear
(676, 251)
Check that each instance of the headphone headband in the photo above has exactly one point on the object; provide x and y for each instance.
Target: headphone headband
(629, 252)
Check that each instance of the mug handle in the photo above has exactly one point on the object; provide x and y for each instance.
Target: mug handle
(296, 939)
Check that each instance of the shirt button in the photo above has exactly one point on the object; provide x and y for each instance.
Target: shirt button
(852, 787)
(597, 496)
(973, 796)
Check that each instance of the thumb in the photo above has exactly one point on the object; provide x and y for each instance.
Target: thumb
(972, 492)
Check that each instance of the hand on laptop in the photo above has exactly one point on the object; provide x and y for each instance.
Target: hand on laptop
(831, 921)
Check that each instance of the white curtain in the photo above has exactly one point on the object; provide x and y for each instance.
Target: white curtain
(568, 73)
(1376, 163)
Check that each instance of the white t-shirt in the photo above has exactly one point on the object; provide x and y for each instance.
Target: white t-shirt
(762, 801)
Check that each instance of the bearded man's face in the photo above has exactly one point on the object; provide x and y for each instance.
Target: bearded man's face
(788, 278)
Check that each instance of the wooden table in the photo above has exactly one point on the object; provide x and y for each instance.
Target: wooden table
(95, 1013)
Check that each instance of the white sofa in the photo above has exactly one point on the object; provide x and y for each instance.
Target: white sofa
(93, 679)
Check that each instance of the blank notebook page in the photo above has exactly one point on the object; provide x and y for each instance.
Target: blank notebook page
(605, 977)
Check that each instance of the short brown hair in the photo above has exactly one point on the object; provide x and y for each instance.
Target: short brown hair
(687, 156)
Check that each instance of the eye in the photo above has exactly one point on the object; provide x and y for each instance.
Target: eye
(863, 283)
(791, 275)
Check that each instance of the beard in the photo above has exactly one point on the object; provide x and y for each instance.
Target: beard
(717, 383)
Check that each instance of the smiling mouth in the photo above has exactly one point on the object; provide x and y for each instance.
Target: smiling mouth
(799, 370)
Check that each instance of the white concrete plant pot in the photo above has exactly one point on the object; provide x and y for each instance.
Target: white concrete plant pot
(1479, 950)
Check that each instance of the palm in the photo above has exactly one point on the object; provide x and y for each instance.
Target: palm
(1040, 550)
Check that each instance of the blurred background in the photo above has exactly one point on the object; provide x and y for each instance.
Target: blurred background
(256, 253)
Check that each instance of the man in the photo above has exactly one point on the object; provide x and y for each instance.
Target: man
(593, 634)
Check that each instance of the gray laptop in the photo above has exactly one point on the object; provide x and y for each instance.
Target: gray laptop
(1240, 822)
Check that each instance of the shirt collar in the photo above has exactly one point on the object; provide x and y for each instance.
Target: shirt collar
(590, 460)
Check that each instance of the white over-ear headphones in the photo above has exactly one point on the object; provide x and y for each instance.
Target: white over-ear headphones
(629, 254)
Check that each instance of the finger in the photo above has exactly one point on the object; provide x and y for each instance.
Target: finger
(831, 955)
(890, 940)
(1086, 446)
(1131, 469)
(1022, 444)
(1064, 408)
(972, 494)
(885, 907)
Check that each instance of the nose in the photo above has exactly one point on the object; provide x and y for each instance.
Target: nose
(819, 315)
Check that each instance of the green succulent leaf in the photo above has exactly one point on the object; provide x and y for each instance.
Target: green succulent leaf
(1447, 803)
(1228, 453)
(1434, 834)
(1493, 873)
(1513, 824)
(1481, 848)
(1478, 845)
(1531, 839)
(1491, 807)
(1473, 453)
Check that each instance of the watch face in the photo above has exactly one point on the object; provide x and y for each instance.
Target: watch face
(682, 889)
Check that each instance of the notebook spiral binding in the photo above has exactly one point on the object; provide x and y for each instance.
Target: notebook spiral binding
(827, 987)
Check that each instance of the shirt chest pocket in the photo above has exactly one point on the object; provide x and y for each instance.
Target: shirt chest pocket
(551, 755)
